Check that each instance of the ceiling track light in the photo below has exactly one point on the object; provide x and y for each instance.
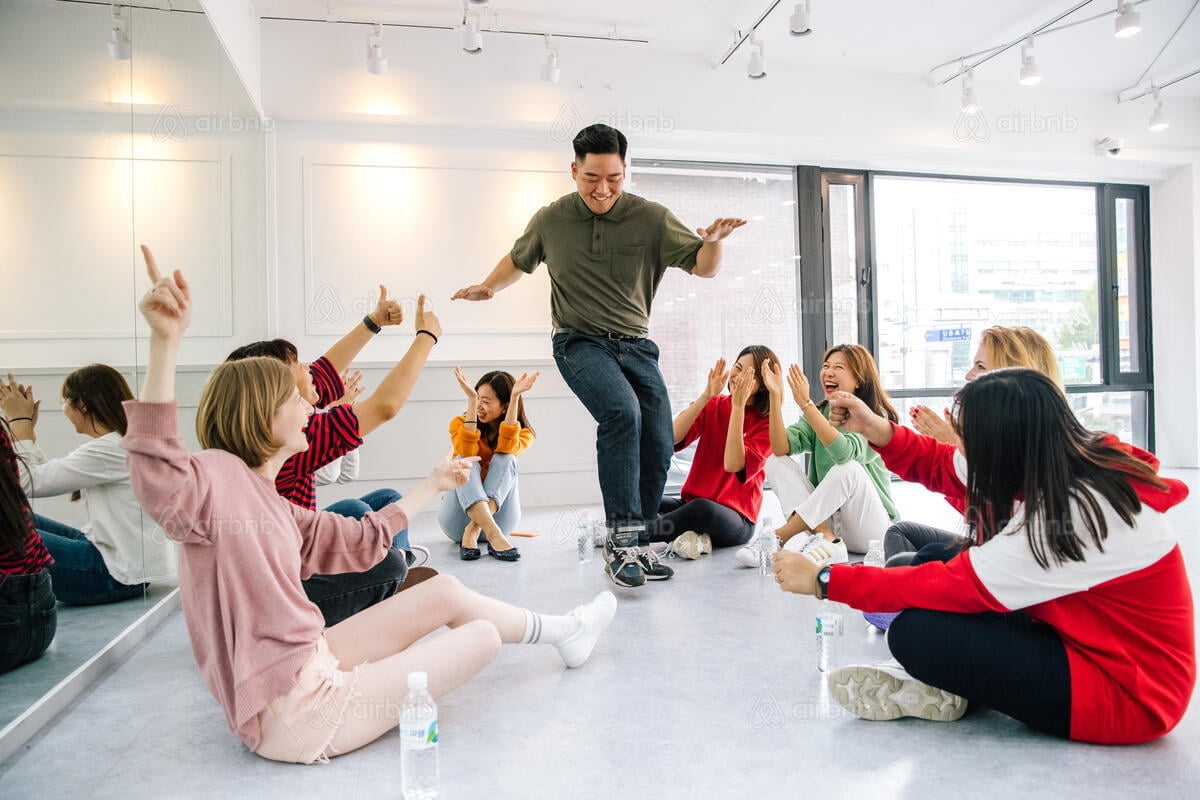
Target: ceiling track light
(119, 46)
(376, 60)
(1128, 23)
(800, 23)
(1030, 73)
(756, 67)
(472, 39)
(970, 102)
(550, 71)
(1158, 119)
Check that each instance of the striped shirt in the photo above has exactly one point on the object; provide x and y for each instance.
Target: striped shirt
(331, 434)
(34, 557)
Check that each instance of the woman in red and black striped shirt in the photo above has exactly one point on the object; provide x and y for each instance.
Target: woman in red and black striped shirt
(28, 618)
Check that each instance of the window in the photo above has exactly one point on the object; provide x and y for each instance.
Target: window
(696, 321)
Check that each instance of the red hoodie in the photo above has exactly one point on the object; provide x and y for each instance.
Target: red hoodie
(1125, 614)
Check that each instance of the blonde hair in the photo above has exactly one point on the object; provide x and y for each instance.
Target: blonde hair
(238, 404)
(1021, 346)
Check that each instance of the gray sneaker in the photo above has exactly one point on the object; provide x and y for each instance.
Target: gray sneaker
(652, 568)
(623, 566)
(884, 691)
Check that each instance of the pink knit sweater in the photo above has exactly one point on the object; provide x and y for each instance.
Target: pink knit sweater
(243, 552)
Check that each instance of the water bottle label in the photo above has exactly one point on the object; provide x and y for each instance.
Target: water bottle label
(416, 736)
(827, 626)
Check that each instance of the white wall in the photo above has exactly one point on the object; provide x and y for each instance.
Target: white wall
(1175, 252)
(237, 26)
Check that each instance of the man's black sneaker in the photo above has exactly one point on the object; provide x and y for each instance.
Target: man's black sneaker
(652, 568)
(623, 565)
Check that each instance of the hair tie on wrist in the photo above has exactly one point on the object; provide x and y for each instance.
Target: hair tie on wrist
(429, 334)
(18, 419)
(372, 326)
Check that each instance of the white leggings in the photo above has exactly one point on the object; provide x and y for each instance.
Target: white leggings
(846, 498)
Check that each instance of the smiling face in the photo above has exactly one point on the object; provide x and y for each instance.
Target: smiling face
(837, 375)
(288, 424)
(745, 365)
(981, 363)
(76, 417)
(304, 382)
(599, 178)
(489, 408)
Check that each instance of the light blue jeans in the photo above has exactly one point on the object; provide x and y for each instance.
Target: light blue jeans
(499, 485)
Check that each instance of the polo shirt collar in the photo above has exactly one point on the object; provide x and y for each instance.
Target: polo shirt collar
(615, 214)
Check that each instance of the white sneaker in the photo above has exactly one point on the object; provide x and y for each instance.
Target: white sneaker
(691, 545)
(593, 619)
(825, 552)
(747, 555)
(884, 691)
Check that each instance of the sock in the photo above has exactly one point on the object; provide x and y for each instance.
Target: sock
(547, 628)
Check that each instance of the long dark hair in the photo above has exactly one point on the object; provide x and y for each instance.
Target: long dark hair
(14, 506)
(97, 391)
(760, 401)
(866, 375)
(502, 384)
(1022, 441)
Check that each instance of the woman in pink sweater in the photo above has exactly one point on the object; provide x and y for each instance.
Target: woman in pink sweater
(293, 690)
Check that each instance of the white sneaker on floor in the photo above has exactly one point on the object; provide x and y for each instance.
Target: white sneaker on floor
(593, 618)
(825, 552)
(884, 691)
(747, 555)
(691, 545)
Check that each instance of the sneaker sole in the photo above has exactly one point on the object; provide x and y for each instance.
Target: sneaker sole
(871, 693)
(650, 577)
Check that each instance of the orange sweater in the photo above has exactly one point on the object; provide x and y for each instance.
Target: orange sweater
(513, 439)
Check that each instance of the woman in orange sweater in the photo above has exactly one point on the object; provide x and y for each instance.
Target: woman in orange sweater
(496, 429)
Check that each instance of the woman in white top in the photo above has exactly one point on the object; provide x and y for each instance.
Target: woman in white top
(117, 552)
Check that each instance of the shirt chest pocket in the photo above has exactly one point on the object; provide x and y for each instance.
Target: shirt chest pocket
(627, 263)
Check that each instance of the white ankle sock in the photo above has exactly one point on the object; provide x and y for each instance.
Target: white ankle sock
(547, 628)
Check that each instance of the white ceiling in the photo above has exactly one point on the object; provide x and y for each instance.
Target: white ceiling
(907, 38)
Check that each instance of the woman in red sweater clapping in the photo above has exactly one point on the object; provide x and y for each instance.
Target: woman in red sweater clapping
(721, 498)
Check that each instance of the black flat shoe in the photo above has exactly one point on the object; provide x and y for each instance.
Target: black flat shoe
(468, 553)
(511, 554)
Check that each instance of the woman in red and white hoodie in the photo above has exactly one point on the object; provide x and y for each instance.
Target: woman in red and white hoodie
(1072, 612)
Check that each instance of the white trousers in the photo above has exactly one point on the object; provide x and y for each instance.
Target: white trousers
(847, 499)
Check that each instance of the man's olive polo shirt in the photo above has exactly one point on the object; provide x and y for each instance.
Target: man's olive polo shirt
(604, 269)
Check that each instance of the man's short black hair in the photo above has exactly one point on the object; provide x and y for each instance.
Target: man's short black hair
(279, 349)
(601, 140)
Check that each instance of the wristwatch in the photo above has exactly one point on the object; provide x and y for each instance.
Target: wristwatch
(823, 583)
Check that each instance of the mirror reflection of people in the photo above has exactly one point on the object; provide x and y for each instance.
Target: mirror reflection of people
(1071, 609)
(28, 612)
(496, 429)
(722, 495)
(291, 688)
(606, 251)
(117, 553)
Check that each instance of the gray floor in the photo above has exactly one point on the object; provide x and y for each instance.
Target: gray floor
(82, 632)
(705, 686)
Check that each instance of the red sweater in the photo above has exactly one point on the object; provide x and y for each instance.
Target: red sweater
(33, 557)
(1125, 615)
(708, 479)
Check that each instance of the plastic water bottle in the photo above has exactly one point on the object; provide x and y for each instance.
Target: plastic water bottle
(418, 740)
(874, 557)
(829, 633)
(768, 543)
(583, 540)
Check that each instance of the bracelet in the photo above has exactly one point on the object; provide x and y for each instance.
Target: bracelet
(429, 334)
(18, 419)
(371, 324)
(806, 405)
